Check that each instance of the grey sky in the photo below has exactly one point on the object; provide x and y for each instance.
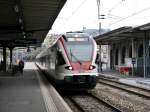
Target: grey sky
(77, 14)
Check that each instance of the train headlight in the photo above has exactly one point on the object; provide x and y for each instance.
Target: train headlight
(68, 68)
(91, 67)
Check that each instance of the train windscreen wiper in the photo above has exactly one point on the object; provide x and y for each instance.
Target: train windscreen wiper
(72, 55)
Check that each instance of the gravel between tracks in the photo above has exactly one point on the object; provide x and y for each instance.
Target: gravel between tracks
(126, 101)
(72, 106)
(91, 105)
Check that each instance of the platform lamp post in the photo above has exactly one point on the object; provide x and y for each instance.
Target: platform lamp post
(98, 6)
(99, 17)
(99, 63)
(99, 58)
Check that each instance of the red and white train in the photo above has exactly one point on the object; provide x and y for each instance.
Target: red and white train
(70, 61)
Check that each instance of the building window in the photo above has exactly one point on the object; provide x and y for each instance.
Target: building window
(140, 50)
(130, 52)
(123, 55)
(116, 57)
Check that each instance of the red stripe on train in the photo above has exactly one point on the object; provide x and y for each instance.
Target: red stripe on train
(83, 66)
(62, 42)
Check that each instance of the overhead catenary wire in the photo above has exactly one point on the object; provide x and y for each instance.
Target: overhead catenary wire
(115, 6)
(129, 16)
(114, 16)
(72, 14)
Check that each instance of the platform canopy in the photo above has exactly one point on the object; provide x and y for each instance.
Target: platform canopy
(27, 22)
(122, 33)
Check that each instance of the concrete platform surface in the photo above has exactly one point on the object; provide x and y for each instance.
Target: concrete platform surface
(132, 80)
(21, 93)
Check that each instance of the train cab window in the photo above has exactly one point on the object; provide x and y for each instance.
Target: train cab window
(84, 54)
(60, 59)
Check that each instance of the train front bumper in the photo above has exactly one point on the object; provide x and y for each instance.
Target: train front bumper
(78, 80)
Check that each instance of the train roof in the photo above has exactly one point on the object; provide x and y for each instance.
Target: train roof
(72, 35)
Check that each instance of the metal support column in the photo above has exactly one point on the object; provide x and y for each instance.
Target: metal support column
(109, 57)
(11, 58)
(98, 5)
(100, 28)
(133, 49)
(4, 58)
(100, 60)
(145, 55)
(133, 56)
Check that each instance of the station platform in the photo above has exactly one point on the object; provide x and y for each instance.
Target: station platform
(23, 93)
(132, 80)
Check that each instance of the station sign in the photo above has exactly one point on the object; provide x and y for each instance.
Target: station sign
(133, 60)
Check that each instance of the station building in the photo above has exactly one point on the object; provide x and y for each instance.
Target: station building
(128, 50)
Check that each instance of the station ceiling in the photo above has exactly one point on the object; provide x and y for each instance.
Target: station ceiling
(27, 22)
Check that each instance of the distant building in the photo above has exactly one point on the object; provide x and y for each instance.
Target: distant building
(128, 49)
(95, 32)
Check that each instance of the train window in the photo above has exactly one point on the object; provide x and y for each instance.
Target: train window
(77, 39)
(82, 52)
(60, 59)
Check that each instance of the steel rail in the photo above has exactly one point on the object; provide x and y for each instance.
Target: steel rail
(134, 86)
(105, 103)
(76, 104)
(118, 85)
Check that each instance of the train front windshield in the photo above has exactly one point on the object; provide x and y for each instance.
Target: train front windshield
(79, 52)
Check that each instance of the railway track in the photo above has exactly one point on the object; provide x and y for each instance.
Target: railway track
(125, 87)
(90, 103)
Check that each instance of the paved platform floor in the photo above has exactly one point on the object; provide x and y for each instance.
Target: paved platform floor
(21, 93)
